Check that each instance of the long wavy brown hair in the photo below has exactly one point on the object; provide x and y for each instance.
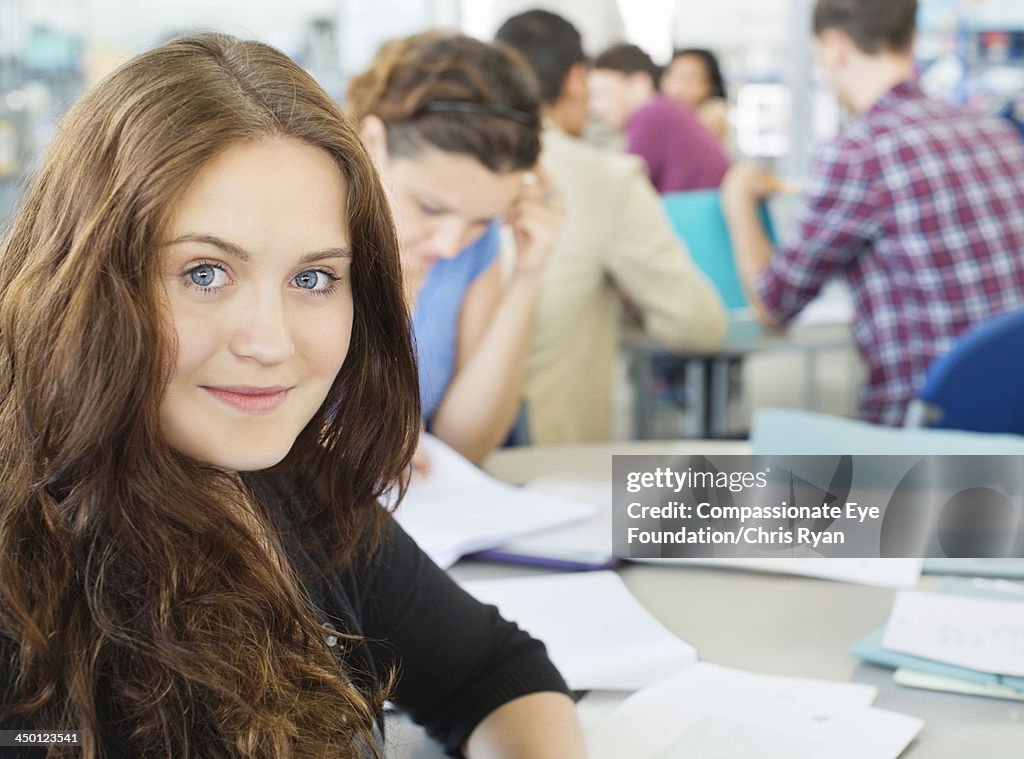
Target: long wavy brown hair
(142, 605)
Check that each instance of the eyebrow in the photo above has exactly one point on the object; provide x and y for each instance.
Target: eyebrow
(243, 255)
(441, 207)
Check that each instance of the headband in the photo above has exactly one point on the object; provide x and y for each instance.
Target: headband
(467, 106)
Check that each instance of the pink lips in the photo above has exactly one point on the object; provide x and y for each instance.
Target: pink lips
(249, 399)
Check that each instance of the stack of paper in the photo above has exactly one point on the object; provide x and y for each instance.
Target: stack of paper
(596, 632)
(457, 509)
(588, 545)
(718, 713)
(585, 545)
(967, 638)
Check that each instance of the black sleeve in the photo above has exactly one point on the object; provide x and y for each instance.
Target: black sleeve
(457, 660)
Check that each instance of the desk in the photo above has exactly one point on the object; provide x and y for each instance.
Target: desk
(775, 624)
(707, 378)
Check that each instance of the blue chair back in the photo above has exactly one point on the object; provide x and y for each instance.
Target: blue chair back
(698, 220)
(979, 384)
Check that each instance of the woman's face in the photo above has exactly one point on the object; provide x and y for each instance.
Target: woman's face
(256, 273)
(686, 80)
(442, 202)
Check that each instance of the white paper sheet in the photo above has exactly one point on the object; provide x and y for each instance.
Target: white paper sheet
(458, 509)
(589, 539)
(714, 712)
(587, 542)
(592, 538)
(977, 633)
(597, 633)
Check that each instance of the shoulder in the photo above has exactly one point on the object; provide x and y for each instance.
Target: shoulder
(660, 110)
(575, 161)
(912, 126)
(847, 151)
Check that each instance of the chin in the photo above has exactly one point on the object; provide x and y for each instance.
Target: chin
(257, 463)
(249, 460)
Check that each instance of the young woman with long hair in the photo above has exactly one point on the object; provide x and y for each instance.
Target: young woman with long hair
(207, 382)
(694, 78)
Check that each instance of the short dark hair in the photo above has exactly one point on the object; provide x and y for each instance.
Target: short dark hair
(711, 67)
(549, 43)
(628, 59)
(875, 26)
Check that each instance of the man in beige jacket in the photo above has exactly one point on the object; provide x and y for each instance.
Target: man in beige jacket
(616, 237)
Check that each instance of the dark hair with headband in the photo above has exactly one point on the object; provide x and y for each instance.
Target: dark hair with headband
(455, 94)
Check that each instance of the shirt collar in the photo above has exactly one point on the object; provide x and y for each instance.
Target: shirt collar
(905, 90)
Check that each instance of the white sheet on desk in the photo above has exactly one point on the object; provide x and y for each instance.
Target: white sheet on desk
(594, 536)
(458, 509)
(884, 573)
(597, 492)
(596, 632)
(589, 540)
(977, 633)
(714, 712)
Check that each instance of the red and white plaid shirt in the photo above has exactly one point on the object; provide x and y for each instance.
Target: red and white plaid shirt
(920, 206)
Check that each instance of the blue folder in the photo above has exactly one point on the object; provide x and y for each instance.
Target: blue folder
(869, 648)
(1008, 568)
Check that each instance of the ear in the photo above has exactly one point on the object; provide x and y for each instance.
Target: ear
(834, 48)
(574, 86)
(375, 137)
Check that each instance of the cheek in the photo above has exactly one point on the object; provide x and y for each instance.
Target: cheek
(410, 222)
(194, 339)
(325, 340)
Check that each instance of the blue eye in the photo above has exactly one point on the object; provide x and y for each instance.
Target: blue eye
(206, 276)
(313, 279)
(202, 275)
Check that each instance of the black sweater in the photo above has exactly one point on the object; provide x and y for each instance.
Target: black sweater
(457, 659)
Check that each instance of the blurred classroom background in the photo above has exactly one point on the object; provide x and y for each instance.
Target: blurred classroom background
(779, 109)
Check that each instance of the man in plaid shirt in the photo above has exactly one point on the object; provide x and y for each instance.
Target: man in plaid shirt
(918, 204)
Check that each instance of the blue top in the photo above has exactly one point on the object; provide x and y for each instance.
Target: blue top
(435, 321)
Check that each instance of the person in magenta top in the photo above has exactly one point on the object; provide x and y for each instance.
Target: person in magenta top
(680, 152)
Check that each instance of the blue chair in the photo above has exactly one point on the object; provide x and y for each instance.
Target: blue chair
(698, 220)
(979, 384)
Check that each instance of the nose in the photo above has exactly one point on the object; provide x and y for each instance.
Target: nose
(262, 331)
(448, 237)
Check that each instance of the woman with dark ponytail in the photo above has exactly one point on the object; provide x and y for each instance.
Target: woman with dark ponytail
(453, 124)
(207, 382)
